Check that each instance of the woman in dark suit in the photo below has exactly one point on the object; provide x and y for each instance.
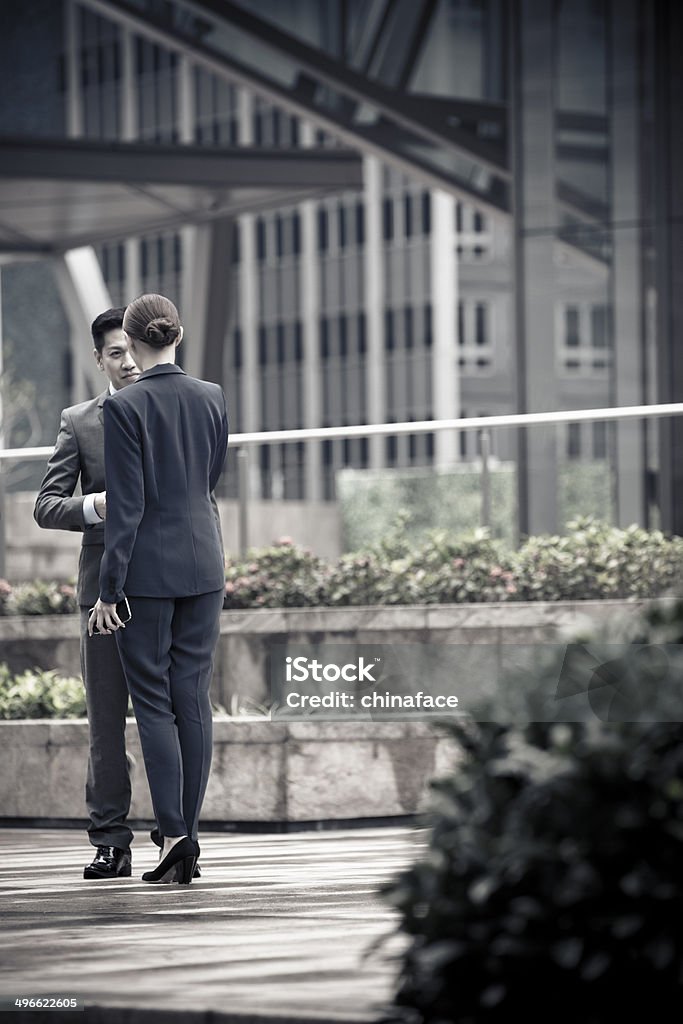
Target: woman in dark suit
(165, 442)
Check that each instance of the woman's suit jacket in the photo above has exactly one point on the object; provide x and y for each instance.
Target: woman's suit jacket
(165, 442)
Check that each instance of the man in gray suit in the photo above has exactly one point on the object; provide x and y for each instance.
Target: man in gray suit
(79, 456)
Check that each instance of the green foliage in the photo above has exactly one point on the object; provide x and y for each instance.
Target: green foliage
(39, 694)
(450, 500)
(593, 560)
(445, 500)
(550, 888)
(598, 561)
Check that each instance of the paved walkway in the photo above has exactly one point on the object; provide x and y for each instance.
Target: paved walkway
(279, 925)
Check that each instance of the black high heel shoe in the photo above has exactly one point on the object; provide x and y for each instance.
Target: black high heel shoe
(177, 865)
(157, 839)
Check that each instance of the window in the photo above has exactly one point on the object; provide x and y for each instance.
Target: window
(426, 213)
(572, 336)
(408, 214)
(360, 224)
(573, 440)
(341, 225)
(600, 440)
(322, 230)
(599, 327)
(481, 336)
(475, 337)
(260, 239)
(388, 219)
(583, 339)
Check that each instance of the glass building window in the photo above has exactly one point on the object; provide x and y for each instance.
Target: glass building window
(480, 326)
(341, 225)
(322, 230)
(599, 327)
(360, 224)
(572, 334)
(388, 219)
(600, 440)
(426, 204)
(408, 215)
(573, 440)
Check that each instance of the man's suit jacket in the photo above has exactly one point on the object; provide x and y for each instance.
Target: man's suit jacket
(78, 454)
(165, 442)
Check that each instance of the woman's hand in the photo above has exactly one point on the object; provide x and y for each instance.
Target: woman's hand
(104, 618)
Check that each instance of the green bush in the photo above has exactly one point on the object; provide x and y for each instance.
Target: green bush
(598, 561)
(593, 560)
(551, 886)
(39, 694)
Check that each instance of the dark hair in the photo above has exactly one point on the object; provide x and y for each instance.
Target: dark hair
(152, 319)
(110, 320)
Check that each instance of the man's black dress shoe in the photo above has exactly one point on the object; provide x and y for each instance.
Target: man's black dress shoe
(109, 862)
(158, 841)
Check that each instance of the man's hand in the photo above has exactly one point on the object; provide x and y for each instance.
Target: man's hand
(103, 619)
(100, 504)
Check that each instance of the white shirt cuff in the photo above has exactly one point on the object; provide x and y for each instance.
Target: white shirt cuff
(89, 514)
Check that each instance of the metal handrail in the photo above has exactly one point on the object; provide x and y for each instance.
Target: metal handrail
(527, 419)
(244, 441)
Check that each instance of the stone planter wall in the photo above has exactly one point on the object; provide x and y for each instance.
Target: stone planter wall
(262, 771)
(273, 771)
(240, 675)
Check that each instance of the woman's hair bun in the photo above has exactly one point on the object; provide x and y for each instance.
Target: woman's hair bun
(161, 332)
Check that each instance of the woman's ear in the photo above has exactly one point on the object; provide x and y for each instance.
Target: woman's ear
(180, 336)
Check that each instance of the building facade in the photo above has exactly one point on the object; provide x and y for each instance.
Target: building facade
(408, 299)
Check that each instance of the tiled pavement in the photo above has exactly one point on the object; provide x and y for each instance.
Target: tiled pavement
(278, 925)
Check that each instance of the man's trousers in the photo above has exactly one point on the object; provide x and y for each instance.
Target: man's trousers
(107, 788)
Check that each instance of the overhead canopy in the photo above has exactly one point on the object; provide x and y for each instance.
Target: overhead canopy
(57, 195)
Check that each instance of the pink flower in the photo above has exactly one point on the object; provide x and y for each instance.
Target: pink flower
(496, 572)
(458, 563)
(284, 541)
(229, 588)
(5, 588)
(511, 588)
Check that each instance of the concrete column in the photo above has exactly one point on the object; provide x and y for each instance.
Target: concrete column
(84, 294)
(444, 294)
(74, 98)
(374, 304)
(532, 148)
(310, 313)
(210, 275)
(626, 277)
(129, 132)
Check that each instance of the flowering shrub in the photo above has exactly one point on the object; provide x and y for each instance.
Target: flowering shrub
(283, 576)
(5, 594)
(39, 694)
(594, 560)
(42, 598)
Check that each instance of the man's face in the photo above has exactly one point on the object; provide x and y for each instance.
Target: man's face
(116, 359)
